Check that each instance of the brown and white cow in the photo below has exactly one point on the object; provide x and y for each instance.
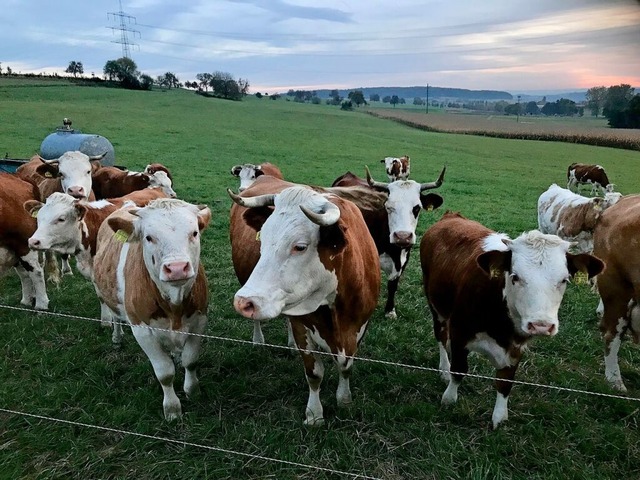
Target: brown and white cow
(571, 216)
(317, 265)
(158, 167)
(492, 295)
(111, 182)
(248, 173)
(582, 174)
(615, 240)
(393, 225)
(155, 279)
(397, 168)
(16, 226)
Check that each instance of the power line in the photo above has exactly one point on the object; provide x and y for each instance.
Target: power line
(124, 29)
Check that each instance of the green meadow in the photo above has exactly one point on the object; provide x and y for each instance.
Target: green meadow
(253, 397)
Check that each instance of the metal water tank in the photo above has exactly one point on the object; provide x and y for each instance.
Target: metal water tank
(66, 139)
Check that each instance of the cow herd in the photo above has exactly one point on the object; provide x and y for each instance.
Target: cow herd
(314, 255)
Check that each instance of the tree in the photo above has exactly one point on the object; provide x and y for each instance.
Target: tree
(532, 108)
(168, 80)
(205, 80)
(111, 69)
(512, 109)
(258, 95)
(394, 100)
(595, 99)
(123, 69)
(617, 100)
(75, 68)
(357, 97)
(146, 82)
(374, 98)
(386, 99)
(418, 101)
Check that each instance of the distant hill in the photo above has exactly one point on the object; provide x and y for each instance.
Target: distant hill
(409, 93)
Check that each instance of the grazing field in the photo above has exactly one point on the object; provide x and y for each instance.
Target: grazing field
(585, 130)
(253, 397)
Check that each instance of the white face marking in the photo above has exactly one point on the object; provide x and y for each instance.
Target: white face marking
(59, 227)
(289, 278)
(247, 176)
(403, 208)
(161, 179)
(75, 174)
(170, 237)
(535, 287)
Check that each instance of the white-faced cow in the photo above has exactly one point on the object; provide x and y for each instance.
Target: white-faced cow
(111, 182)
(582, 174)
(155, 279)
(397, 168)
(16, 226)
(571, 216)
(491, 295)
(248, 173)
(158, 167)
(317, 265)
(393, 225)
(615, 240)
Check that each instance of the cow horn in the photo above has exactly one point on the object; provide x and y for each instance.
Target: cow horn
(437, 183)
(235, 170)
(253, 202)
(97, 157)
(372, 183)
(55, 161)
(330, 214)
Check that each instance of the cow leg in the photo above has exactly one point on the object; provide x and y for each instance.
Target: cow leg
(390, 306)
(613, 326)
(459, 366)
(314, 371)
(190, 354)
(500, 409)
(344, 362)
(441, 332)
(34, 290)
(66, 267)
(291, 341)
(258, 337)
(394, 267)
(163, 367)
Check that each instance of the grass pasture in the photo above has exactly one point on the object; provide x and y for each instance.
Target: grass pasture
(253, 398)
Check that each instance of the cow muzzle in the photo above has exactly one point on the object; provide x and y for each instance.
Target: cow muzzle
(176, 271)
(77, 192)
(542, 328)
(403, 239)
(35, 244)
(245, 306)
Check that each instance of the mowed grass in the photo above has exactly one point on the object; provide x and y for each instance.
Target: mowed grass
(253, 398)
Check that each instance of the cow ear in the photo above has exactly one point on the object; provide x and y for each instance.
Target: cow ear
(495, 262)
(382, 161)
(332, 237)
(431, 201)
(204, 217)
(235, 170)
(255, 217)
(123, 221)
(48, 170)
(583, 262)
(80, 210)
(32, 207)
(258, 172)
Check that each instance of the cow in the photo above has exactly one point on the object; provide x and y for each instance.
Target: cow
(571, 216)
(615, 241)
(158, 167)
(16, 226)
(594, 175)
(393, 225)
(397, 168)
(154, 278)
(317, 265)
(490, 294)
(111, 182)
(349, 180)
(248, 173)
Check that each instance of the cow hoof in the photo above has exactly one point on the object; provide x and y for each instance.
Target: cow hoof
(171, 414)
(619, 386)
(314, 422)
(391, 315)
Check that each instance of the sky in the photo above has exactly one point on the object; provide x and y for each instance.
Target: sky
(519, 46)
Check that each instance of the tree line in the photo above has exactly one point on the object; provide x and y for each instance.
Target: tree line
(617, 103)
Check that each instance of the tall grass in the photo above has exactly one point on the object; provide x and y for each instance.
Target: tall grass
(253, 397)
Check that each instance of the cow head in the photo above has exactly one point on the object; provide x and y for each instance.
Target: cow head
(397, 168)
(156, 167)
(404, 205)
(58, 223)
(535, 269)
(74, 169)
(169, 233)
(161, 180)
(247, 174)
(297, 238)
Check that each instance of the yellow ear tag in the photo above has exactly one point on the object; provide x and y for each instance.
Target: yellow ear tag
(597, 207)
(581, 278)
(121, 236)
(429, 208)
(258, 237)
(48, 174)
(34, 214)
(495, 272)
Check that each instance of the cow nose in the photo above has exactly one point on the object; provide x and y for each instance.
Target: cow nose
(541, 328)
(403, 239)
(34, 243)
(176, 271)
(244, 306)
(77, 192)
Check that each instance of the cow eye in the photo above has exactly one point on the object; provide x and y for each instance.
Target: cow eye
(60, 220)
(195, 234)
(149, 238)
(300, 247)
(416, 210)
(88, 172)
(565, 280)
(514, 278)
